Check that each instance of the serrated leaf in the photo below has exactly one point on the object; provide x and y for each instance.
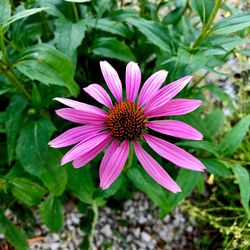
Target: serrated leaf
(204, 8)
(26, 190)
(232, 23)
(232, 140)
(81, 183)
(13, 119)
(51, 214)
(53, 175)
(48, 65)
(216, 167)
(112, 48)
(32, 145)
(242, 176)
(5, 11)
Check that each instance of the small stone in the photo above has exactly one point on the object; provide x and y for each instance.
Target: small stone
(145, 237)
(137, 232)
(106, 230)
(54, 246)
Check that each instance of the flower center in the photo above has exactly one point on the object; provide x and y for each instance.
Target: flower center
(126, 121)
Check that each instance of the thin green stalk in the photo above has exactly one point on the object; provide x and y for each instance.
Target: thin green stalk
(93, 225)
(207, 27)
(236, 161)
(75, 11)
(2, 47)
(130, 157)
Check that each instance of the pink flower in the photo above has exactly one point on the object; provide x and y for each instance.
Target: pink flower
(127, 122)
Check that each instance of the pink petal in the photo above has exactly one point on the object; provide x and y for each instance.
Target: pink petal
(90, 155)
(173, 153)
(79, 116)
(84, 147)
(99, 94)
(112, 79)
(167, 93)
(175, 128)
(109, 152)
(155, 170)
(75, 135)
(174, 107)
(151, 86)
(133, 80)
(114, 165)
(89, 109)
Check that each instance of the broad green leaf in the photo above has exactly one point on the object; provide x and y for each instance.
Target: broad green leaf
(26, 191)
(234, 137)
(32, 145)
(187, 180)
(5, 11)
(112, 48)
(53, 175)
(204, 145)
(145, 183)
(232, 23)
(49, 66)
(22, 14)
(156, 33)
(214, 121)
(81, 183)
(14, 117)
(15, 171)
(68, 36)
(51, 213)
(242, 176)
(216, 167)
(16, 237)
(204, 8)
(174, 16)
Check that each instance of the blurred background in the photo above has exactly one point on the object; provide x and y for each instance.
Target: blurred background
(52, 48)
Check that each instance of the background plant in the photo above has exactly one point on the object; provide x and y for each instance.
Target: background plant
(53, 48)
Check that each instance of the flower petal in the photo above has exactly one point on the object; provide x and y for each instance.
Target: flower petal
(79, 116)
(114, 165)
(151, 86)
(81, 106)
(75, 135)
(167, 93)
(109, 152)
(99, 94)
(112, 79)
(84, 147)
(133, 80)
(90, 155)
(174, 107)
(175, 128)
(155, 170)
(173, 153)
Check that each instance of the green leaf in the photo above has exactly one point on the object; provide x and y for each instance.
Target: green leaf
(234, 137)
(53, 175)
(214, 121)
(156, 33)
(242, 176)
(5, 11)
(187, 180)
(22, 14)
(16, 237)
(145, 183)
(49, 66)
(204, 145)
(32, 145)
(112, 48)
(232, 23)
(81, 183)
(26, 191)
(77, 1)
(216, 167)
(13, 120)
(51, 214)
(68, 36)
(204, 8)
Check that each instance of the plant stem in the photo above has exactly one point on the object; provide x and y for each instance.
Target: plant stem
(236, 161)
(93, 225)
(75, 11)
(130, 157)
(207, 27)
(2, 47)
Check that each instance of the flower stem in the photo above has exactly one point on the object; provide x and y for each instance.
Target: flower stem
(93, 225)
(130, 157)
(207, 27)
